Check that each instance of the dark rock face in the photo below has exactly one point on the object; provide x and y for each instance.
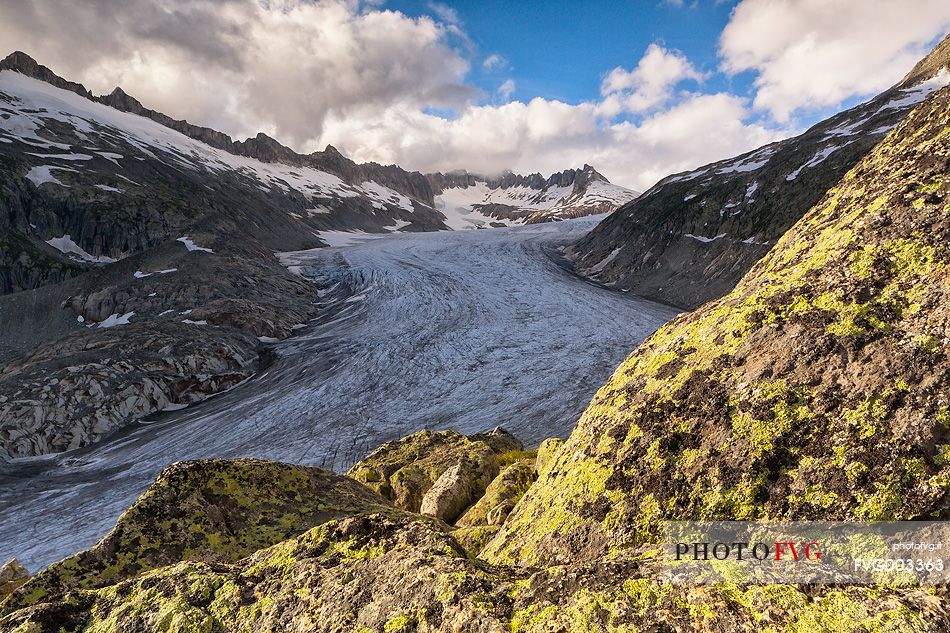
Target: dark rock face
(74, 391)
(692, 236)
(568, 177)
(22, 63)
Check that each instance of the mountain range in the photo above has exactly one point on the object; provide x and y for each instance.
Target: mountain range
(79, 151)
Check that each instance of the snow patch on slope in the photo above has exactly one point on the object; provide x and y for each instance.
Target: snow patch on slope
(67, 246)
(190, 245)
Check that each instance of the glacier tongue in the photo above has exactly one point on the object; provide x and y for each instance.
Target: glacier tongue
(464, 330)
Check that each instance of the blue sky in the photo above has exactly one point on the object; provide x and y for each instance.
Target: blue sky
(561, 49)
(638, 88)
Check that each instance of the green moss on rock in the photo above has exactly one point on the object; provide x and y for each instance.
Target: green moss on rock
(405, 469)
(214, 510)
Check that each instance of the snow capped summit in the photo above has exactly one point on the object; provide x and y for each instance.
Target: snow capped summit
(476, 201)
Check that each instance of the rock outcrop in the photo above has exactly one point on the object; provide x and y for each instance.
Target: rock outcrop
(404, 471)
(72, 392)
(12, 577)
(368, 567)
(501, 495)
(213, 511)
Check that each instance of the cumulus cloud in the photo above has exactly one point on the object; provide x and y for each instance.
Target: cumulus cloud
(817, 53)
(546, 136)
(651, 83)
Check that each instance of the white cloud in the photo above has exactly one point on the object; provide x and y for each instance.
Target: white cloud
(506, 89)
(817, 53)
(243, 65)
(444, 12)
(651, 83)
(547, 136)
(494, 61)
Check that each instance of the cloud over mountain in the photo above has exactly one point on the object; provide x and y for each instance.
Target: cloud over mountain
(385, 86)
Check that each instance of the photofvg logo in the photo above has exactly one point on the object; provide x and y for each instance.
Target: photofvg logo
(813, 552)
(740, 550)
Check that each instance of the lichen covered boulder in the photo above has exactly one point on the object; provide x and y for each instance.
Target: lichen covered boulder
(404, 470)
(817, 389)
(501, 496)
(212, 511)
(456, 489)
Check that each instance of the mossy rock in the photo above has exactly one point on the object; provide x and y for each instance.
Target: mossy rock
(474, 538)
(546, 452)
(501, 496)
(405, 469)
(388, 573)
(214, 511)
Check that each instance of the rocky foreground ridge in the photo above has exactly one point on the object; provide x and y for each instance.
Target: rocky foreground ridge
(818, 388)
(692, 236)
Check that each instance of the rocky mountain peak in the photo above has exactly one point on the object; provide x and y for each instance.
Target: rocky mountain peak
(579, 178)
(121, 100)
(929, 66)
(267, 149)
(22, 63)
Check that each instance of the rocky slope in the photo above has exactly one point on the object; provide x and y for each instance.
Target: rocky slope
(88, 180)
(817, 388)
(692, 236)
(473, 201)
